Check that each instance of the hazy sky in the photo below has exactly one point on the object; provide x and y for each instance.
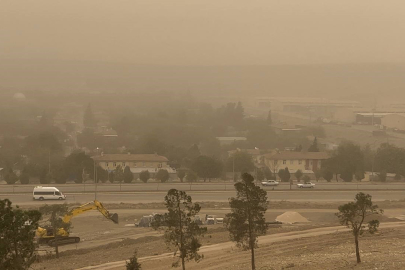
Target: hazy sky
(209, 32)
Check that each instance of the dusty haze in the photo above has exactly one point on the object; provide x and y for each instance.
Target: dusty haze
(221, 32)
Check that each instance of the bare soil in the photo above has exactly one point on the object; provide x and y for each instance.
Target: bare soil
(104, 241)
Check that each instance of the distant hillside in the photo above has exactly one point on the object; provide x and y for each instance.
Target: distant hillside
(358, 82)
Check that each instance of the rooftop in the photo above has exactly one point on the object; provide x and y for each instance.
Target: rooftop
(290, 155)
(130, 157)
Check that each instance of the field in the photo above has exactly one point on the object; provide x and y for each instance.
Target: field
(317, 244)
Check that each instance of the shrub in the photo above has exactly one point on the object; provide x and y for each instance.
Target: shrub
(306, 178)
(133, 263)
(144, 176)
(162, 175)
(24, 178)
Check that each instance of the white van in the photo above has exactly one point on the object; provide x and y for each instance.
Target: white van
(47, 193)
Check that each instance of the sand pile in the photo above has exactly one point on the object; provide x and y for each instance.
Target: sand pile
(291, 217)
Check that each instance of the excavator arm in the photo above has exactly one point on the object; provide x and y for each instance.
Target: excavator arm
(95, 205)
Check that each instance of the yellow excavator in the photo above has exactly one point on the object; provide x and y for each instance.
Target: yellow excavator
(46, 234)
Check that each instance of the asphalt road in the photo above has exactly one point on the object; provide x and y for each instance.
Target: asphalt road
(218, 196)
(218, 186)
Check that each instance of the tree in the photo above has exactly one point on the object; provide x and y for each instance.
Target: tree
(102, 175)
(45, 177)
(56, 213)
(17, 233)
(318, 175)
(191, 176)
(298, 174)
(10, 177)
(181, 230)
(133, 263)
(327, 175)
(162, 175)
(359, 175)
(390, 158)
(347, 160)
(144, 176)
(24, 178)
(260, 174)
(119, 175)
(346, 175)
(269, 119)
(89, 121)
(314, 146)
(111, 176)
(382, 176)
(306, 178)
(241, 162)
(268, 174)
(181, 174)
(246, 221)
(128, 175)
(354, 215)
(207, 167)
(284, 175)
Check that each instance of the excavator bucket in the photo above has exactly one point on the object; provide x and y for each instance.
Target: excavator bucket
(114, 218)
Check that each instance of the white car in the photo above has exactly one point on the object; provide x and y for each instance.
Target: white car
(306, 185)
(270, 183)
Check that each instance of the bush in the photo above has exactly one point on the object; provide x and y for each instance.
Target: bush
(144, 176)
(327, 175)
(359, 175)
(133, 263)
(10, 177)
(347, 176)
(191, 176)
(128, 175)
(24, 178)
(382, 176)
(162, 175)
(398, 177)
(181, 174)
(306, 178)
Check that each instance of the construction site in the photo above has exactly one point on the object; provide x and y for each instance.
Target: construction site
(300, 236)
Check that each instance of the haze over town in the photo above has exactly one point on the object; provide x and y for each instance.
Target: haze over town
(216, 125)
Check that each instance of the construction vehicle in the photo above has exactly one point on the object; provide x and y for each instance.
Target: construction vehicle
(47, 235)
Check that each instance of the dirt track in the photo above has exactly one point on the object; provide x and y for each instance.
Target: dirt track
(265, 241)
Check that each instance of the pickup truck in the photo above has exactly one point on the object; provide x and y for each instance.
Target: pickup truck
(270, 183)
(306, 185)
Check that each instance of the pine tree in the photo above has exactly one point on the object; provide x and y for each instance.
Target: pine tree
(314, 146)
(246, 221)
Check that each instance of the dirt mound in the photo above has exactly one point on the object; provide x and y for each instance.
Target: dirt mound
(291, 217)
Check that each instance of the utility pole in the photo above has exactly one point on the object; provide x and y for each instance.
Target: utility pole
(95, 180)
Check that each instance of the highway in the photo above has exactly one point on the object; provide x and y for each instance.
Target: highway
(214, 186)
(218, 196)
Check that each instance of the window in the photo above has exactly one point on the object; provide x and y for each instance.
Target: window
(284, 161)
(57, 193)
(106, 164)
(123, 164)
(115, 164)
(160, 165)
(300, 161)
(291, 162)
(44, 193)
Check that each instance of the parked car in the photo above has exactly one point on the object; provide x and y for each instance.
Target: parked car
(270, 183)
(306, 185)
